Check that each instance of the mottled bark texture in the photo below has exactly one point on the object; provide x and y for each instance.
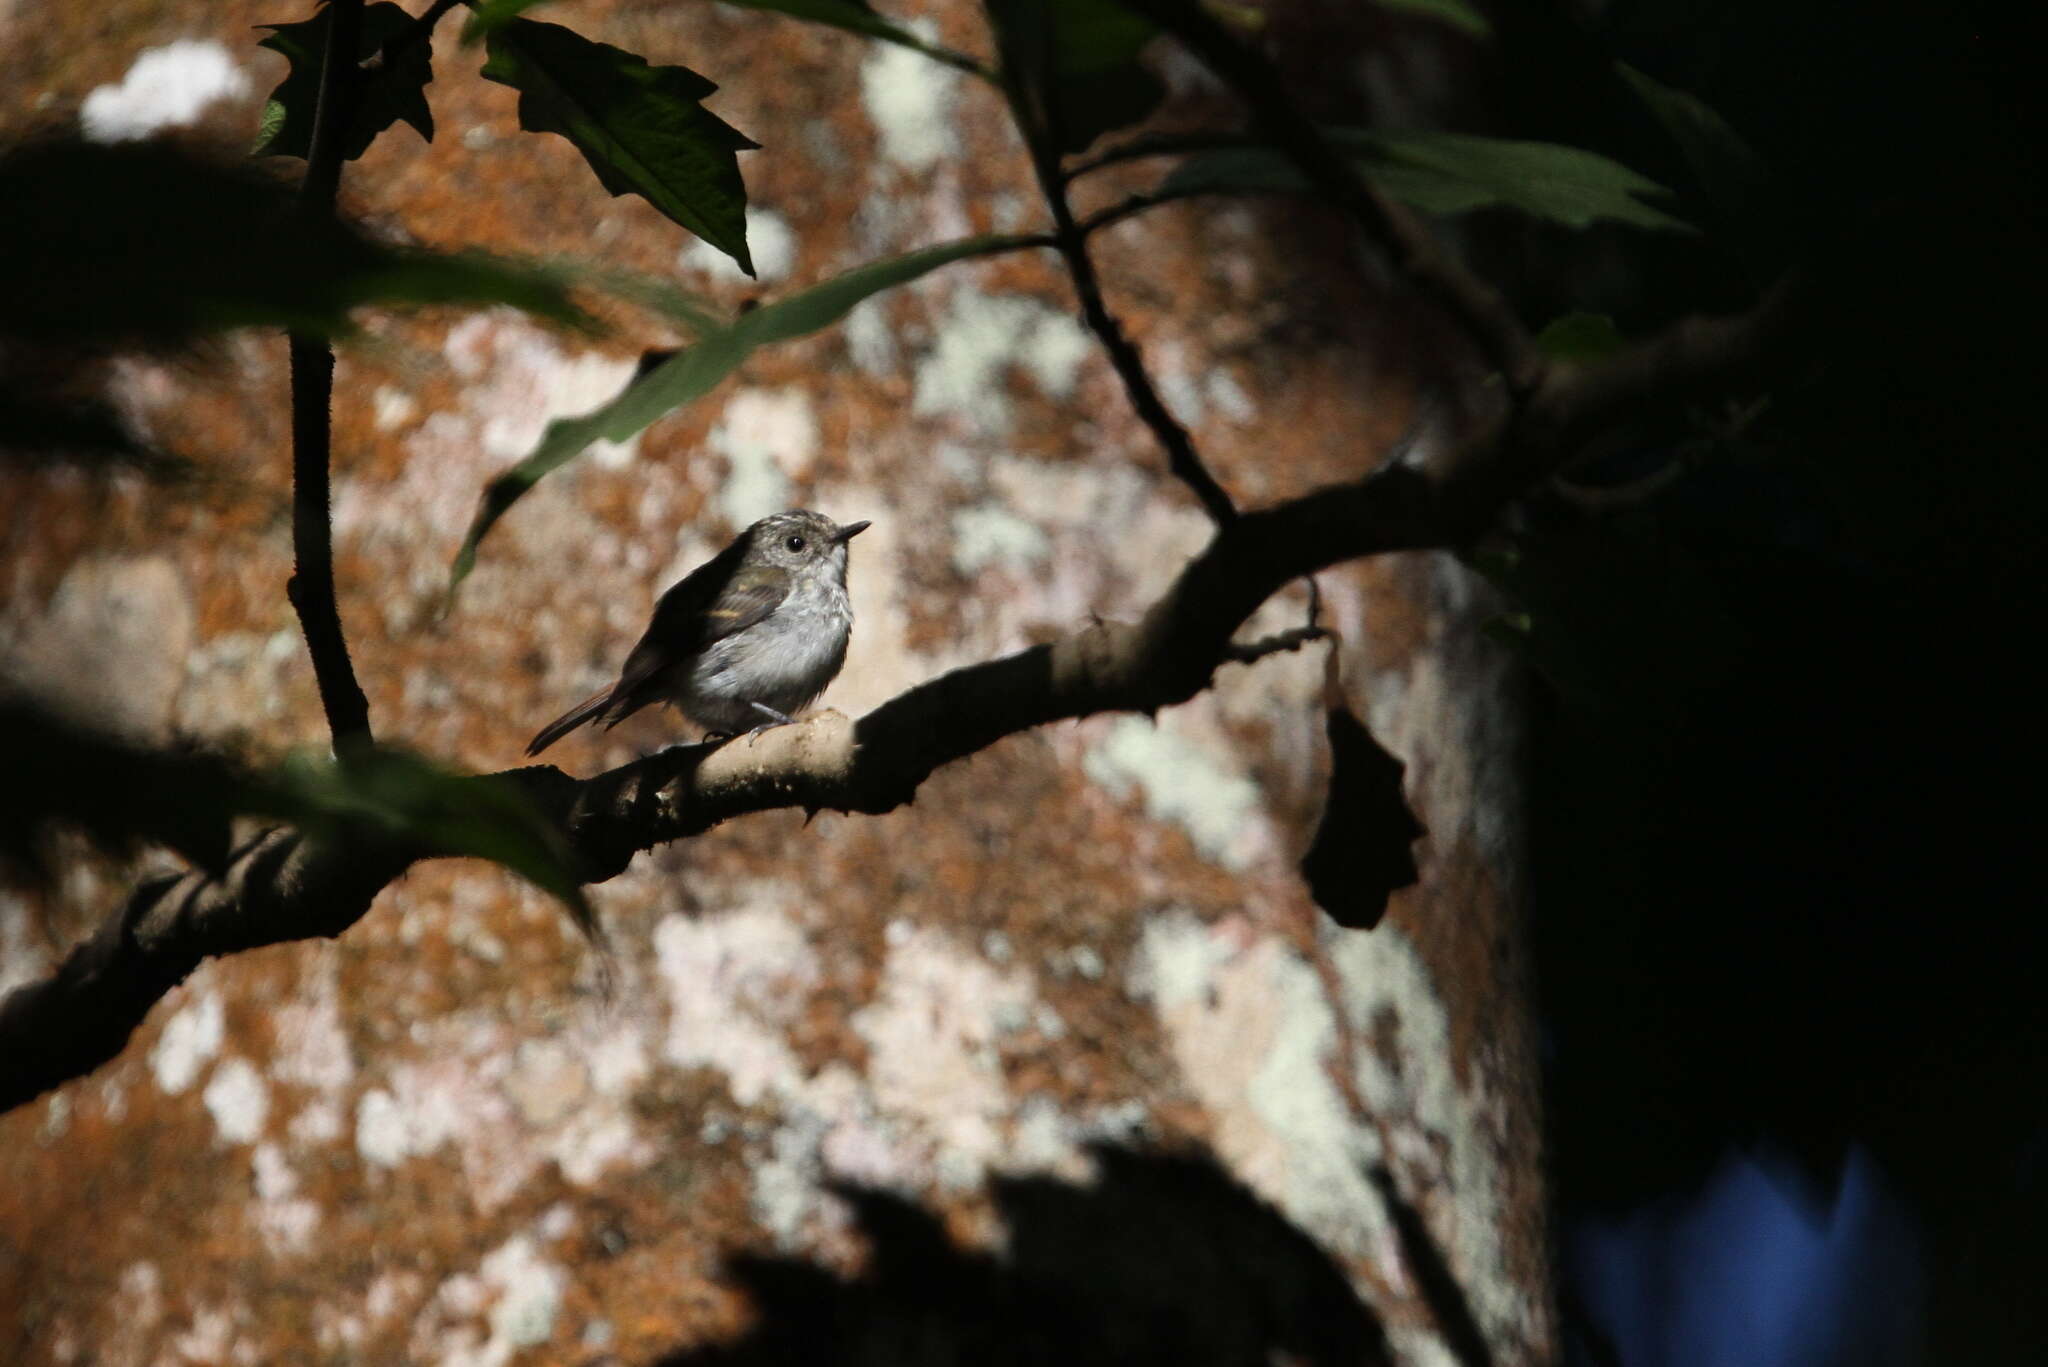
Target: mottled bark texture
(285, 889)
(418, 1145)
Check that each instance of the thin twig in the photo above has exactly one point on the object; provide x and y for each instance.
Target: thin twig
(946, 56)
(1126, 208)
(1155, 145)
(1607, 498)
(1279, 643)
(1480, 308)
(1039, 127)
(311, 587)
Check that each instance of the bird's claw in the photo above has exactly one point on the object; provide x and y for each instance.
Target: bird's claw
(775, 718)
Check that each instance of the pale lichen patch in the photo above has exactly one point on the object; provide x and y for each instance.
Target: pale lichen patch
(239, 1101)
(770, 241)
(980, 336)
(931, 1033)
(111, 648)
(286, 1219)
(165, 87)
(1184, 782)
(190, 1040)
(734, 982)
(1436, 1122)
(515, 1291)
(768, 438)
(909, 99)
(1253, 1034)
(23, 956)
(987, 534)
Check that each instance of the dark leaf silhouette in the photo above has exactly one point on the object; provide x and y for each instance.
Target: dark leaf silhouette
(643, 129)
(47, 421)
(1450, 173)
(120, 793)
(144, 244)
(1727, 168)
(1361, 853)
(395, 90)
(124, 793)
(1162, 1259)
(1082, 58)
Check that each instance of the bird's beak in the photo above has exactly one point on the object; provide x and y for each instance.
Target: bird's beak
(849, 532)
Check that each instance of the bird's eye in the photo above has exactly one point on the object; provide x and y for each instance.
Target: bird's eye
(795, 544)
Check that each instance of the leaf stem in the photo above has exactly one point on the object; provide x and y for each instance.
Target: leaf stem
(311, 587)
(1127, 208)
(946, 56)
(1155, 145)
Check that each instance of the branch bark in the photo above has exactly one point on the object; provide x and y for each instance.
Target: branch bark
(285, 886)
(311, 587)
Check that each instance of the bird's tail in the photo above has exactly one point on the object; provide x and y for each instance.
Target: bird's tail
(570, 720)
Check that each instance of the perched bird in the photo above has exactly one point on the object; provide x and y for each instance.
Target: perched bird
(745, 639)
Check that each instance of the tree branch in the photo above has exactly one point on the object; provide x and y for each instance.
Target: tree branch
(311, 587)
(286, 886)
(1039, 127)
(1480, 308)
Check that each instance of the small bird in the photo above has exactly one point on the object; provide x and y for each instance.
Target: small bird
(742, 641)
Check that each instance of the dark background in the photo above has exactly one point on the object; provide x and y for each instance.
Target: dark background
(1784, 773)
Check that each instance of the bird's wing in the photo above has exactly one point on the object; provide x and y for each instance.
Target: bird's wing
(686, 620)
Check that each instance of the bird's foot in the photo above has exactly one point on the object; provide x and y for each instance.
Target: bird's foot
(774, 718)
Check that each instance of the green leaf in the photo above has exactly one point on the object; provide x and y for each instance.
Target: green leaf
(1729, 170)
(1088, 50)
(144, 243)
(122, 792)
(1580, 337)
(1250, 169)
(396, 91)
(493, 14)
(696, 370)
(654, 293)
(854, 16)
(1458, 14)
(1565, 185)
(643, 129)
(1095, 37)
(1449, 173)
(406, 798)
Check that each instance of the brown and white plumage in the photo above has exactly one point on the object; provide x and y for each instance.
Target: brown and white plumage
(755, 632)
